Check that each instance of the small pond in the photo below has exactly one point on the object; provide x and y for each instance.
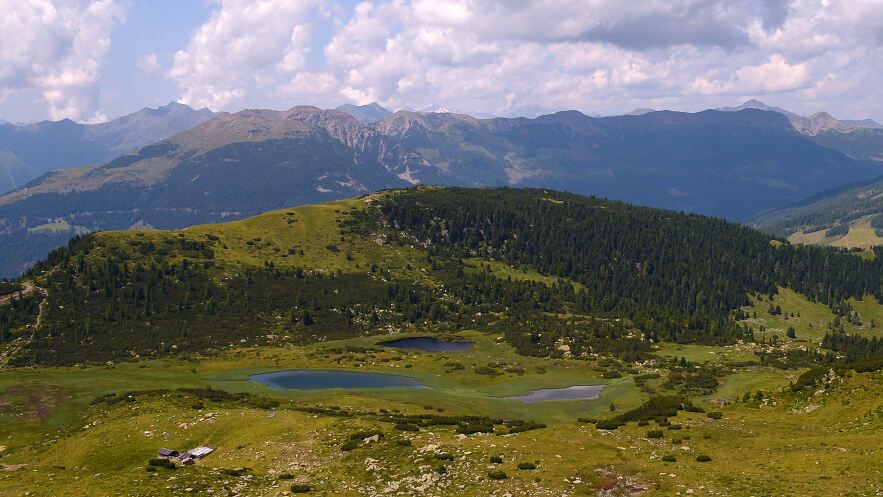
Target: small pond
(576, 392)
(308, 379)
(427, 343)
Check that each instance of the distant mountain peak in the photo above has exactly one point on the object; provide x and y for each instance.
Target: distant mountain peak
(365, 114)
(640, 111)
(819, 122)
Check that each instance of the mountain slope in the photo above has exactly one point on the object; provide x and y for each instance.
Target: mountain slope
(859, 139)
(365, 114)
(592, 269)
(41, 147)
(232, 166)
(847, 217)
(718, 163)
(727, 164)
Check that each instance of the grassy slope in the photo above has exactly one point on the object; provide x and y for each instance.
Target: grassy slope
(861, 235)
(813, 319)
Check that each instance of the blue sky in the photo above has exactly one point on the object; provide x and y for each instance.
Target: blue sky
(90, 60)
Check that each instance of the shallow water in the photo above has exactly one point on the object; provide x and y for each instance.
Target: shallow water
(427, 343)
(576, 392)
(310, 379)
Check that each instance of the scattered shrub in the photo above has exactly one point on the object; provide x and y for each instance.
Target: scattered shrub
(349, 445)
(715, 415)
(497, 475)
(669, 458)
(703, 458)
(300, 488)
(162, 463)
(654, 434)
(496, 460)
(527, 465)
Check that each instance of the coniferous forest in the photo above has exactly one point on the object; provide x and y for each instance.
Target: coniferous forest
(616, 268)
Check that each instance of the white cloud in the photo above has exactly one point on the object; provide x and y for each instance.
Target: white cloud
(775, 75)
(498, 55)
(57, 48)
(244, 46)
(149, 64)
(307, 85)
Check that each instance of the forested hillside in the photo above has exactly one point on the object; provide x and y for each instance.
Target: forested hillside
(536, 265)
(848, 217)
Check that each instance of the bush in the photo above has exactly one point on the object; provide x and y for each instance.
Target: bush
(643, 422)
(703, 458)
(654, 434)
(300, 488)
(496, 460)
(675, 427)
(658, 408)
(586, 420)
(362, 435)
(441, 469)
(497, 475)
(444, 457)
(286, 476)
(349, 445)
(669, 458)
(237, 471)
(150, 469)
(162, 463)
(403, 443)
(527, 465)
(715, 415)
(406, 427)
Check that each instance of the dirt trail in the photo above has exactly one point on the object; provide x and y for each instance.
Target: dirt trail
(27, 289)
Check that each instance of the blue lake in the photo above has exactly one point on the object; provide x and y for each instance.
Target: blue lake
(310, 379)
(576, 392)
(427, 343)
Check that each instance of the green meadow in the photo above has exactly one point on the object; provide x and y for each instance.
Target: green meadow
(56, 440)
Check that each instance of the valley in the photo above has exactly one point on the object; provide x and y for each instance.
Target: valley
(151, 339)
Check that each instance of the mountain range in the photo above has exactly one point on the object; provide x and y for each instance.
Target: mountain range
(728, 164)
(29, 150)
(820, 122)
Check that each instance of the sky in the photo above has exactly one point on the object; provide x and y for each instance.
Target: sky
(92, 60)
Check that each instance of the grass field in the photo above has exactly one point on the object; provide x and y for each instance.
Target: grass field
(861, 235)
(55, 442)
(810, 320)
